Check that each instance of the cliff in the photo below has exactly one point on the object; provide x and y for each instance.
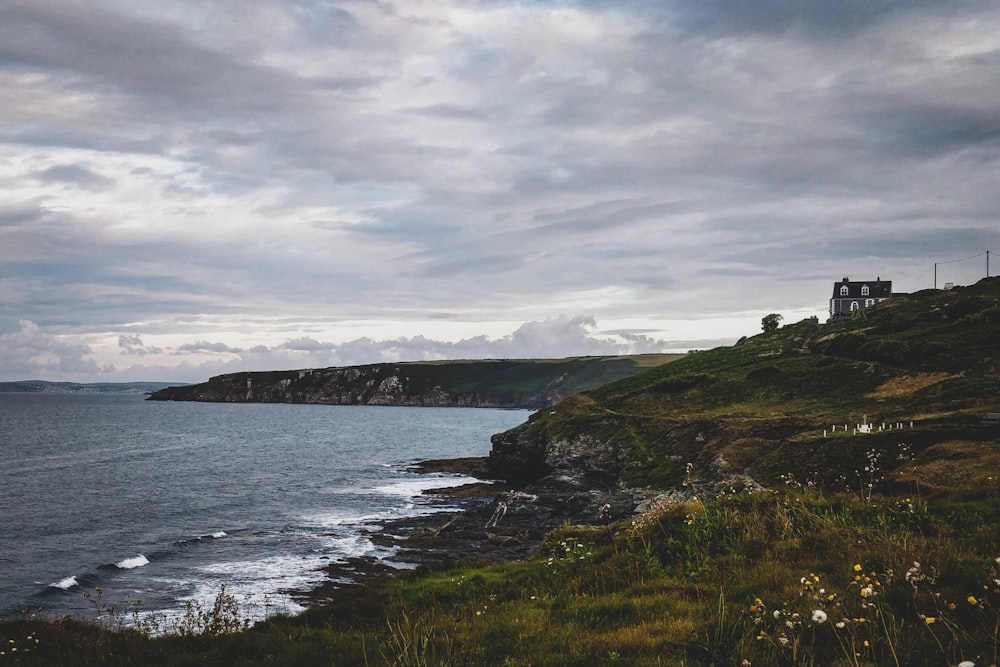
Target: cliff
(487, 383)
(907, 382)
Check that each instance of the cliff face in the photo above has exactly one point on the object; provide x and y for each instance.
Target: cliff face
(482, 384)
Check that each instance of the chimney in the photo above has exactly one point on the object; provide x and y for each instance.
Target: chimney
(846, 279)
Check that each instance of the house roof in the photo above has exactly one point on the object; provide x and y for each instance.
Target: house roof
(877, 289)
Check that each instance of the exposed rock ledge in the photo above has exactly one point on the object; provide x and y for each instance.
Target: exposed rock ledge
(544, 486)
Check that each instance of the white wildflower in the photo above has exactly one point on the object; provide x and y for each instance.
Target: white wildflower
(819, 616)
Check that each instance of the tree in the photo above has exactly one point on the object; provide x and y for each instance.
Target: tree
(770, 322)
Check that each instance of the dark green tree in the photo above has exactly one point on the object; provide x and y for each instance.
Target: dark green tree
(770, 322)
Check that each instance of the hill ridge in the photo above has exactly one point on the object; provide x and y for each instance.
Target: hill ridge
(494, 383)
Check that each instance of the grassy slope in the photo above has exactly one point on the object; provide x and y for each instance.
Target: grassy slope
(932, 358)
(734, 579)
(524, 376)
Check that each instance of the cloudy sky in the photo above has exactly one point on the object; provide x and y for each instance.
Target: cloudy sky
(196, 187)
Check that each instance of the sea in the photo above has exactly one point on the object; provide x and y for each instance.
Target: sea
(113, 500)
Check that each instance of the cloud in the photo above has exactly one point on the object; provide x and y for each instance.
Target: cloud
(75, 174)
(487, 162)
(205, 346)
(30, 353)
(132, 344)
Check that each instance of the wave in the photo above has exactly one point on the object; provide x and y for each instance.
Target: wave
(189, 541)
(76, 581)
(132, 563)
(65, 584)
(414, 488)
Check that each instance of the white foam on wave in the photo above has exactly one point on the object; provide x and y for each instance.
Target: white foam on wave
(65, 584)
(258, 585)
(415, 487)
(219, 535)
(351, 546)
(337, 518)
(132, 563)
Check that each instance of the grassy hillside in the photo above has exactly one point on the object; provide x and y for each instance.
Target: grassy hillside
(877, 548)
(931, 359)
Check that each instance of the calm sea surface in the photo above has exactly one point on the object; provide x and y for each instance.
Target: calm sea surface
(165, 502)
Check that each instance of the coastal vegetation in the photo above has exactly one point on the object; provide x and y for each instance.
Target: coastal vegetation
(819, 494)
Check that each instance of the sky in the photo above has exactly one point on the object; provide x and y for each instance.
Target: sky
(197, 187)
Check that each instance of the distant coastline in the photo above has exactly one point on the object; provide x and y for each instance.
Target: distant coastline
(45, 387)
(485, 383)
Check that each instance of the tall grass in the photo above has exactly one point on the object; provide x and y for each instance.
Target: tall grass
(794, 576)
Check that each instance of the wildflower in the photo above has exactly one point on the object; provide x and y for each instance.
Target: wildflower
(972, 600)
(818, 616)
(929, 619)
(840, 625)
(966, 663)
(777, 614)
(857, 567)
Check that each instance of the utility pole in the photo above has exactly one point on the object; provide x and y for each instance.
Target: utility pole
(935, 275)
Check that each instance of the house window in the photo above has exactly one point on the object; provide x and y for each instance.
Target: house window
(864, 290)
(854, 306)
(869, 302)
(843, 291)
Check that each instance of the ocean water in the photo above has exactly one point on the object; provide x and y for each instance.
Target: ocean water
(163, 503)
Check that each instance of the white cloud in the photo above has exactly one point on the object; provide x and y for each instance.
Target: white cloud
(30, 353)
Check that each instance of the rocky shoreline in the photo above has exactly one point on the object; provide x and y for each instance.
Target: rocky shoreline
(495, 522)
